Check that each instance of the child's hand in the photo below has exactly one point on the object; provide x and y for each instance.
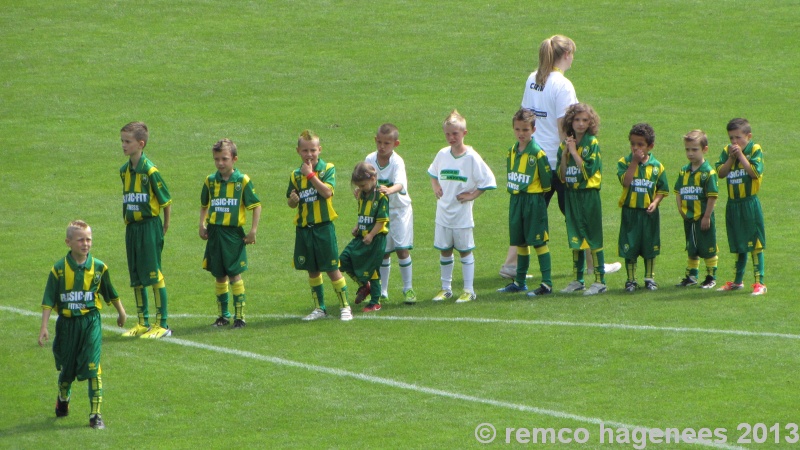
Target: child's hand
(367, 239)
(705, 223)
(250, 238)
(294, 199)
(354, 231)
(384, 190)
(203, 233)
(466, 196)
(438, 193)
(356, 193)
(652, 208)
(121, 319)
(306, 168)
(570, 143)
(44, 336)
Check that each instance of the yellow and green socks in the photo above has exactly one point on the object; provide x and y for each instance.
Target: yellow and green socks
(523, 264)
(758, 265)
(693, 267)
(223, 297)
(96, 394)
(142, 305)
(578, 262)
(238, 299)
(543, 254)
(340, 288)
(599, 265)
(160, 293)
(317, 293)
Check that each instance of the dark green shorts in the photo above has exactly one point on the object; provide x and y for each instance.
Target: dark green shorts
(144, 242)
(76, 346)
(745, 224)
(527, 220)
(225, 251)
(639, 233)
(315, 248)
(584, 213)
(698, 242)
(361, 260)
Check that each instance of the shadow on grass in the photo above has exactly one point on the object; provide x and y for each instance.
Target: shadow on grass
(44, 424)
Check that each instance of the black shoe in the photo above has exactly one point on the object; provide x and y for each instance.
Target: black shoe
(650, 285)
(709, 282)
(239, 323)
(543, 289)
(631, 286)
(688, 281)
(220, 322)
(62, 408)
(96, 422)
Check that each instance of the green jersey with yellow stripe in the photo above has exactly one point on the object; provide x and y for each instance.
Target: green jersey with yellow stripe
(373, 211)
(649, 180)
(227, 201)
(740, 183)
(313, 209)
(528, 170)
(695, 188)
(588, 176)
(144, 192)
(72, 289)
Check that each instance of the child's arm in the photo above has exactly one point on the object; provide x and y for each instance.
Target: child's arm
(251, 236)
(387, 191)
(367, 239)
(44, 335)
(633, 167)
(680, 207)
(120, 311)
(167, 211)
(654, 204)
(203, 231)
(746, 165)
(468, 196)
(437, 188)
(293, 199)
(725, 168)
(705, 222)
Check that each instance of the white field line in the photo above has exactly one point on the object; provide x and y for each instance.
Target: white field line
(400, 385)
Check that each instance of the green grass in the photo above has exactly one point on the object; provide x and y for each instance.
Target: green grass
(261, 72)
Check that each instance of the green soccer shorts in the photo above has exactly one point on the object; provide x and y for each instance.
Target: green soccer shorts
(225, 254)
(527, 220)
(639, 233)
(315, 248)
(361, 260)
(584, 214)
(144, 242)
(744, 221)
(76, 346)
(698, 242)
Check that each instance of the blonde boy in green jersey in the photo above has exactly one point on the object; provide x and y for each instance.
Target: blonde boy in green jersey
(144, 196)
(742, 165)
(696, 193)
(310, 191)
(73, 286)
(224, 199)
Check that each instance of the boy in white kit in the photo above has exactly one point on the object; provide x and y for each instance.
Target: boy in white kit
(458, 176)
(394, 183)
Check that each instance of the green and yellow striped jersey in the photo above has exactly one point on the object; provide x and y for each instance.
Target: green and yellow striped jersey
(650, 180)
(313, 209)
(373, 211)
(144, 192)
(588, 176)
(740, 184)
(72, 288)
(695, 188)
(227, 201)
(528, 170)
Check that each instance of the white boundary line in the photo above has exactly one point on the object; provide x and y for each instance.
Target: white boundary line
(400, 384)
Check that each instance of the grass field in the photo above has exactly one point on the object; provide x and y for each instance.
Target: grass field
(407, 377)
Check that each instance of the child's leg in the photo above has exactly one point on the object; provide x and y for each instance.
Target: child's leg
(160, 291)
(404, 260)
(577, 264)
(64, 386)
(650, 269)
(589, 261)
(543, 254)
(95, 393)
(317, 293)
(142, 305)
(693, 267)
(446, 269)
(758, 265)
(468, 270)
(375, 291)
(386, 267)
(339, 287)
(600, 265)
(741, 262)
(237, 286)
(223, 297)
(630, 266)
(523, 264)
(711, 266)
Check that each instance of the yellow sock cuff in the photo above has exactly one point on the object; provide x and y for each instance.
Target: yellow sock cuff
(238, 287)
(314, 282)
(221, 288)
(694, 263)
(339, 284)
(542, 250)
(523, 250)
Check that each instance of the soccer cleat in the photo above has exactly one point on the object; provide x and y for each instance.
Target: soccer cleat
(220, 322)
(442, 295)
(631, 286)
(96, 422)
(731, 286)
(410, 297)
(383, 299)
(467, 296)
(362, 293)
(595, 288)
(239, 323)
(611, 268)
(316, 314)
(759, 289)
(513, 288)
(346, 314)
(543, 289)
(709, 282)
(688, 281)
(508, 272)
(137, 330)
(573, 286)
(650, 285)
(62, 407)
(372, 308)
(157, 332)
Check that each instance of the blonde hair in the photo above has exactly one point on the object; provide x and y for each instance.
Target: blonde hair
(390, 130)
(77, 225)
(574, 110)
(307, 135)
(550, 51)
(138, 129)
(225, 144)
(698, 136)
(455, 119)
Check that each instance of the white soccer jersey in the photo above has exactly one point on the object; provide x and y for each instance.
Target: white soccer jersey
(464, 173)
(549, 104)
(390, 175)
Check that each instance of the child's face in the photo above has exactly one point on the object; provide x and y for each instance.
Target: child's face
(366, 185)
(385, 144)
(639, 145)
(581, 122)
(80, 242)
(224, 161)
(130, 146)
(309, 151)
(523, 130)
(695, 153)
(454, 135)
(739, 138)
